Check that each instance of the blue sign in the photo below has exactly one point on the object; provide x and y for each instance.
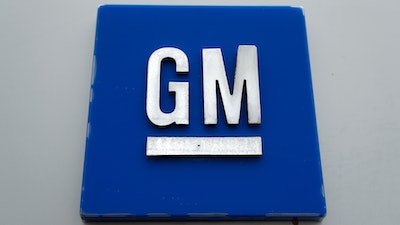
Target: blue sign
(201, 112)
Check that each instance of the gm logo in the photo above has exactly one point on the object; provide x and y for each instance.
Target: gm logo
(246, 81)
(201, 113)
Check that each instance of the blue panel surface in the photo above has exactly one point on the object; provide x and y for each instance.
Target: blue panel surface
(121, 183)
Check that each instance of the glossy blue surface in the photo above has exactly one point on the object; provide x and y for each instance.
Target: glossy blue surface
(121, 183)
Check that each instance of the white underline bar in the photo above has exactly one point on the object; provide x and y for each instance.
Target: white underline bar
(204, 146)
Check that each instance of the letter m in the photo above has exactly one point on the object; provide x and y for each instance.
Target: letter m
(246, 75)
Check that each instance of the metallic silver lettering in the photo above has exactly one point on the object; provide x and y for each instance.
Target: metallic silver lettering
(180, 115)
(246, 70)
